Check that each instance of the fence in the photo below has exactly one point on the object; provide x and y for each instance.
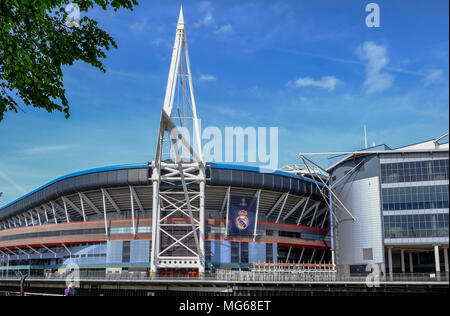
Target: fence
(242, 276)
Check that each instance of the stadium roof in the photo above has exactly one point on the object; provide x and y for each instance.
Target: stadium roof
(139, 174)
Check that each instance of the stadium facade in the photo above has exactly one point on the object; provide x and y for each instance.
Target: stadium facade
(399, 198)
(101, 220)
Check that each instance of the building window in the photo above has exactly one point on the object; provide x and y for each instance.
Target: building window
(234, 252)
(415, 171)
(269, 252)
(207, 251)
(416, 226)
(126, 251)
(244, 252)
(415, 198)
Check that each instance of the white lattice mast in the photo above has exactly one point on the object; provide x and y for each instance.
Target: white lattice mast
(179, 182)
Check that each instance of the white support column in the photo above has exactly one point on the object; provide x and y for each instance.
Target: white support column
(54, 213)
(201, 268)
(45, 213)
(281, 198)
(296, 206)
(303, 211)
(23, 252)
(155, 221)
(82, 207)
(110, 199)
(105, 217)
(65, 210)
(446, 259)
(312, 256)
(12, 252)
(325, 217)
(132, 211)
(314, 215)
(34, 250)
(301, 256)
(49, 250)
(289, 254)
(228, 211)
(225, 200)
(68, 250)
(282, 207)
(32, 219)
(411, 263)
(436, 259)
(402, 254)
(391, 272)
(258, 196)
(323, 255)
(136, 198)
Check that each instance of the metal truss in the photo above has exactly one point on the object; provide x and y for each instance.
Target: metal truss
(179, 182)
(335, 206)
(326, 191)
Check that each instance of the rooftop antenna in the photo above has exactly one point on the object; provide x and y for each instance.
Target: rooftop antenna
(365, 136)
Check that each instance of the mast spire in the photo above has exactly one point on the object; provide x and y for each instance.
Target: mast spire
(180, 17)
(183, 168)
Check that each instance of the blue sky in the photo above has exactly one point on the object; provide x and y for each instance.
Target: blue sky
(311, 68)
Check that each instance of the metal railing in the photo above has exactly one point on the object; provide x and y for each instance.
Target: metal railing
(241, 276)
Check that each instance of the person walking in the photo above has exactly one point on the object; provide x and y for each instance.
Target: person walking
(70, 290)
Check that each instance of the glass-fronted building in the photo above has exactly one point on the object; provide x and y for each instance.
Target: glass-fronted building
(399, 198)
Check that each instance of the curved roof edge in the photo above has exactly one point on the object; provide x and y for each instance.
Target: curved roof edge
(139, 174)
(262, 170)
(74, 174)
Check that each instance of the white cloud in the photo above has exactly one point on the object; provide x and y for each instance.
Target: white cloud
(224, 29)
(140, 26)
(303, 99)
(433, 76)
(208, 20)
(205, 77)
(376, 80)
(43, 149)
(328, 83)
(162, 42)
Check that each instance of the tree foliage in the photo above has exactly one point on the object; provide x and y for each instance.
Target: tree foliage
(35, 43)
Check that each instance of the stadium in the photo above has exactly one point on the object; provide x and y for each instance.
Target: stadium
(101, 220)
(175, 216)
(183, 218)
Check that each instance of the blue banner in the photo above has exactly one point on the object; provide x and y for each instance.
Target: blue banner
(241, 215)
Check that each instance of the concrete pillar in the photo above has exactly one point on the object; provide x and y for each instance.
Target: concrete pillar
(391, 272)
(436, 259)
(411, 263)
(402, 252)
(446, 259)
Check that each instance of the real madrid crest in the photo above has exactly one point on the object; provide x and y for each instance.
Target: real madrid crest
(242, 220)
